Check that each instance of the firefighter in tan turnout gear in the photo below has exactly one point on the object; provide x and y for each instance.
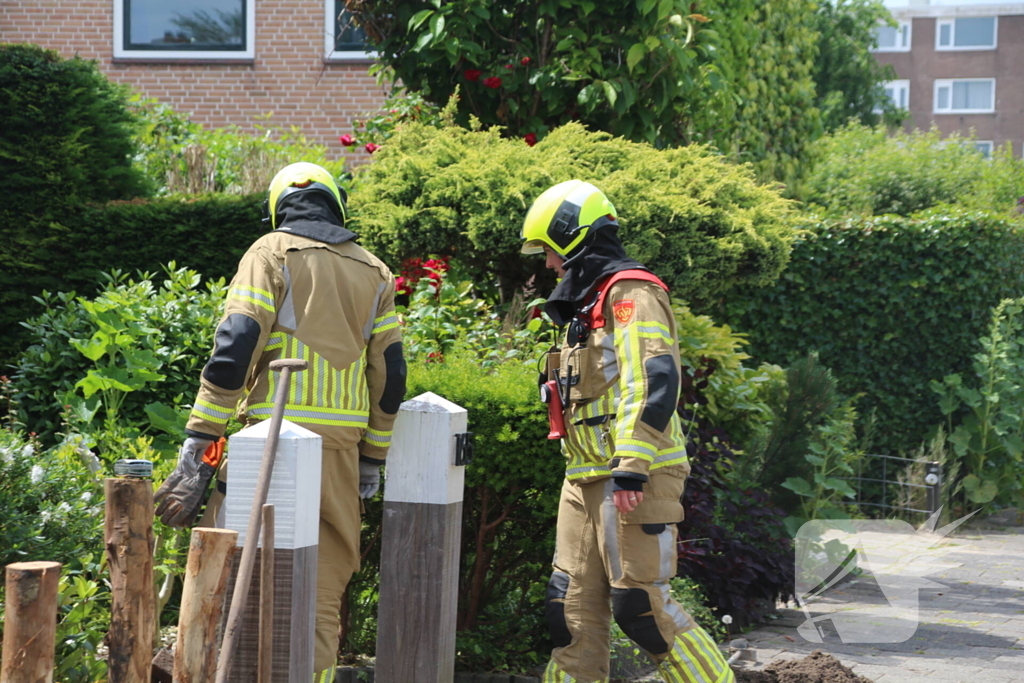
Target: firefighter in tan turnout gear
(305, 290)
(617, 375)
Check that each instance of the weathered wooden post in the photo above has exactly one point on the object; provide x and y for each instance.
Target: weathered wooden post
(30, 622)
(202, 603)
(419, 562)
(128, 525)
(295, 494)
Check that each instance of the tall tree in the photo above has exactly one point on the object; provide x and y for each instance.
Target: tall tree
(848, 79)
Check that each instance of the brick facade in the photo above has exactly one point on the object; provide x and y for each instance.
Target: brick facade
(288, 76)
(923, 64)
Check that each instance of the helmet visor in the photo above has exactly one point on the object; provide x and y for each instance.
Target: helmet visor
(532, 247)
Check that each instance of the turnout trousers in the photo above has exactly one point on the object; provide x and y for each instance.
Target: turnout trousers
(604, 566)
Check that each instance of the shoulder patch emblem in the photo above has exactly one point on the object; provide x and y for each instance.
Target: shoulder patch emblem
(623, 310)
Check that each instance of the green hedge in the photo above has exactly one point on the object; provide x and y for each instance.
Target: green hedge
(207, 233)
(701, 223)
(890, 304)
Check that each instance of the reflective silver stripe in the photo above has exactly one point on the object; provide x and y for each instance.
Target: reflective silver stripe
(286, 316)
(610, 520)
(204, 413)
(257, 296)
(671, 607)
(646, 452)
(312, 413)
(611, 363)
(681, 656)
(368, 327)
(667, 546)
(587, 469)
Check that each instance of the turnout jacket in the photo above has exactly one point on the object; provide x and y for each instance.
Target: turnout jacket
(331, 304)
(623, 389)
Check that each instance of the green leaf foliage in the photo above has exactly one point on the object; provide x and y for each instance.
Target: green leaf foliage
(140, 334)
(890, 304)
(207, 233)
(875, 171)
(742, 75)
(986, 419)
(847, 77)
(702, 224)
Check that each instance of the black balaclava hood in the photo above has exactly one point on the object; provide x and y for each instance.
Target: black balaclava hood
(314, 215)
(600, 256)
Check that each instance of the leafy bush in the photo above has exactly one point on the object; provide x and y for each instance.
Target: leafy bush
(986, 405)
(208, 234)
(134, 334)
(875, 171)
(732, 540)
(180, 156)
(889, 304)
(701, 223)
(67, 140)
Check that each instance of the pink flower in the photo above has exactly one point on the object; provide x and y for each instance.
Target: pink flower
(347, 140)
(371, 148)
(492, 82)
(510, 66)
(472, 74)
(531, 139)
(525, 61)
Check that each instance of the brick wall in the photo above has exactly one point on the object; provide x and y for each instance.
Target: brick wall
(288, 76)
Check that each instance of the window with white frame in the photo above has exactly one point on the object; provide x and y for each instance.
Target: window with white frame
(899, 93)
(890, 39)
(965, 96)
(184, 29)
(343, 38)
(966, 33)
(985, 147)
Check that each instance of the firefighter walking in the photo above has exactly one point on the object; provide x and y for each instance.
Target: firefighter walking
(617, 376)
(305, 290)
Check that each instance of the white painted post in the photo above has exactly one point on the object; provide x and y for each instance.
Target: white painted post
(295, 495)
(419, 563)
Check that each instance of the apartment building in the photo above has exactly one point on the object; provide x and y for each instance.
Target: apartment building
(275, 62)
(959, 66)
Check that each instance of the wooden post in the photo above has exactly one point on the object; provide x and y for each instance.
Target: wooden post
(419, 562)
(295, 494)
(202, 603)
(129, 540)
(266, 636)
(30, 622)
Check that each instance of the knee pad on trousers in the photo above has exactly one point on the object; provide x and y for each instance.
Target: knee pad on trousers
(632, 610)
(554, 609)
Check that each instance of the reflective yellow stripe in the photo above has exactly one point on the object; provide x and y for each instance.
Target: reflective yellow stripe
(211, 412)
(376, 437)
(314, 415)
(260, 297)
(384, 323)
(276, 341)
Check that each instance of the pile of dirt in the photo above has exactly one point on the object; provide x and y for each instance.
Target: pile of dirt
(816, 667)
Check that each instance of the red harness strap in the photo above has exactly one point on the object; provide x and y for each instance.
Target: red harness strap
(597, 320)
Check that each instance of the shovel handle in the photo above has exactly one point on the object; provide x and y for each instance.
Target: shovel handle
(245, 565)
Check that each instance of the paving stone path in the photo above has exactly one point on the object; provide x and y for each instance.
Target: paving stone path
(971, 631)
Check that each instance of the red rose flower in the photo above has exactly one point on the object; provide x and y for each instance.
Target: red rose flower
(472, 74)
(492, 82)
(531, 139)
(510, 66)
(371, 148)
(347, 140)
(525, 61)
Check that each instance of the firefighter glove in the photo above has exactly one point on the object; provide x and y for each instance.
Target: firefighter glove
(369, 479)
(181, 495)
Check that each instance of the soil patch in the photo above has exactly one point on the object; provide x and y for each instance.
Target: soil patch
(816, 667)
